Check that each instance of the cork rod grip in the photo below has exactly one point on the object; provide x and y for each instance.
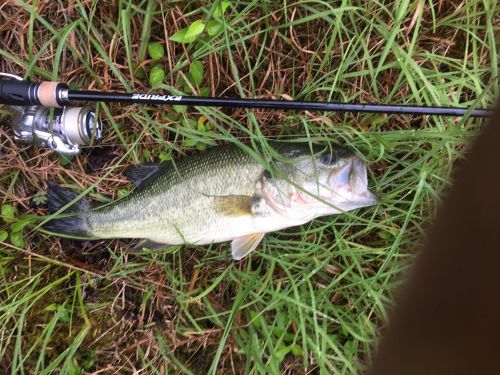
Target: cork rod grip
(48, 94)
(23, 93)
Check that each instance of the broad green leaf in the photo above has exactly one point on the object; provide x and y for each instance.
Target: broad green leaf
(64, 315)
(214, 27)
(184, 83)
(221, 9)
(180, 108)
(277, 331)
(201, 146)
(196, 70)
(281, 352)
(157, 75)
(3, 235)
(200, 127)
(172, 116)
(73, 369)
(19, 225)
(51, 307)
(189, 143)
(156, 50)
(165, 156)
(189, 123)
(139, 71)
(16, 239)
(384, 234)
(205, 91)
(195, 29)
(180, 37)
(296, 350)
(9, 213)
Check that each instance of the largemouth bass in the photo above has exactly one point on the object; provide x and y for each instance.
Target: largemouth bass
(223, 194)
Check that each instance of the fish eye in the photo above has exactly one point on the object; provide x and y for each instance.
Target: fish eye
(328, 159)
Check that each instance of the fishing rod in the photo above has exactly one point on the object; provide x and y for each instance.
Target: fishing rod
(55, 94)
(77, 126)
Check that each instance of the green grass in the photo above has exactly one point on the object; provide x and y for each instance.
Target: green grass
(312, 299)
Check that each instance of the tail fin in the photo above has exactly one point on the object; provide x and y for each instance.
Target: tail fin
(73, 224)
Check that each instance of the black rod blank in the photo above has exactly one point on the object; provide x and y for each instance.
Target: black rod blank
(158, 99)
(55, 94)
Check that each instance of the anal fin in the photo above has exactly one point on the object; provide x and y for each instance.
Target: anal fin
(244, 245)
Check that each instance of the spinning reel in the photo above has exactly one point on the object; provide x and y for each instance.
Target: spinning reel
(64, 130)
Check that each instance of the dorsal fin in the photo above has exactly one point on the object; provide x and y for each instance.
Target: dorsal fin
(139, 173)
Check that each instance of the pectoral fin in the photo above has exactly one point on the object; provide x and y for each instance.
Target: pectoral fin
(233, 205)
(242, 246)
(239, 205)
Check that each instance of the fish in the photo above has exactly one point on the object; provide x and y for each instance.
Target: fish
(223, 194)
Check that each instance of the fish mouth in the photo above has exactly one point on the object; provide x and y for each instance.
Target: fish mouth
(351, 180)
